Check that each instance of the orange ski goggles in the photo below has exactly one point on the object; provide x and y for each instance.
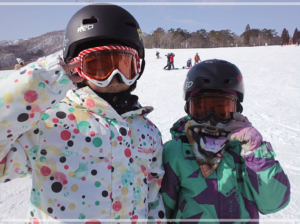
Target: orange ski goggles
(201, 106)
(100, 64)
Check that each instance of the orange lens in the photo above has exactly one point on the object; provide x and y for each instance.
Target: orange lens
(99, 65)
(222, 105)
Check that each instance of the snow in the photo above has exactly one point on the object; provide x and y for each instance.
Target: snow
(271, 103)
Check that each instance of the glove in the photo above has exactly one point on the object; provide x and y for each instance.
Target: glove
(242, 130)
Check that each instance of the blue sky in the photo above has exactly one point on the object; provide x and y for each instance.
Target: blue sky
(26, 21)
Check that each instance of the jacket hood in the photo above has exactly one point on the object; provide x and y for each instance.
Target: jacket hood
(178, 127)
(85, 99)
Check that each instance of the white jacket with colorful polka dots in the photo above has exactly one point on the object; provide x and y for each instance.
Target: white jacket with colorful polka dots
(88, 163)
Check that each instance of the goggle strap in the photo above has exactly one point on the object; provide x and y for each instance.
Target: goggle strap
(142, 67)
(239, 107)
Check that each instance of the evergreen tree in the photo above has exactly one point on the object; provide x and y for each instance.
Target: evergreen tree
(199, 38)
(213, 37)
(247, 35)
(269, 36)
(158, 37)
(295, 36)
(285, 37)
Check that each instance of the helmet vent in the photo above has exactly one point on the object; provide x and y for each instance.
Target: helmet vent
(227, 81)
(129, 23)
(90, 20)
(206, 80)
(223, 62)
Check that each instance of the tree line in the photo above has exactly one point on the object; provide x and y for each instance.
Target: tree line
(182, 38)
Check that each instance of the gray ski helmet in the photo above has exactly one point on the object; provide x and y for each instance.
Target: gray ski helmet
(214, 75)
(102, 24)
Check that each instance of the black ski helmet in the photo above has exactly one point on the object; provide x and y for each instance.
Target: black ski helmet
(214, 75)
(102, 24)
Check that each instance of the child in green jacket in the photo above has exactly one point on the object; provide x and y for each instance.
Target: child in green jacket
(217, 166)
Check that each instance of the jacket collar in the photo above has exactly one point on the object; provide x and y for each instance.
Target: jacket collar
(86, 99)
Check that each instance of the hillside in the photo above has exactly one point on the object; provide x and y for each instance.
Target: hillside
(29, 49)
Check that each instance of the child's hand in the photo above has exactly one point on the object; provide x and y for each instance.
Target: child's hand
(242, 130)
(69, 67)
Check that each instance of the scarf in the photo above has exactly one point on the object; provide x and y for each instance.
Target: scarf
(207, 145)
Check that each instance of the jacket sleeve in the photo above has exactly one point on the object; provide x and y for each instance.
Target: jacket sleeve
(171, 182)
(155, 176)
(269, 184)
(25, 95)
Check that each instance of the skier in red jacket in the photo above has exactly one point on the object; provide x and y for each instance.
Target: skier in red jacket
(172, 60)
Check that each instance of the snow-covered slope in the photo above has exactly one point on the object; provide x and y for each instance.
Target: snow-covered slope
(271, 103)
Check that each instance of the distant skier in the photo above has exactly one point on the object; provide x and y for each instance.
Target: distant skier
(197, 58)
(168, 66)
(189, 63)
(172, 55)
(157, 54)
(20, 64)
(217, 166)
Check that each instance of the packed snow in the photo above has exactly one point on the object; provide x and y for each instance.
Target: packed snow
(271, 103)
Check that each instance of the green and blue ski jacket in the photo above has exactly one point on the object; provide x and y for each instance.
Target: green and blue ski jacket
(238, 189)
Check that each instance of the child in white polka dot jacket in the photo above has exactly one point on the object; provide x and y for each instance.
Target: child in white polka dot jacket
(93, 155)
